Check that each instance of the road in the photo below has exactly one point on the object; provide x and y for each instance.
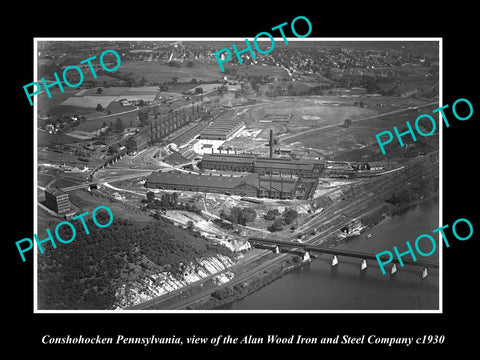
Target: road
(358, 208)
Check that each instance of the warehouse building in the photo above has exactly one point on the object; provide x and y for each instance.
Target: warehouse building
(176, 180)
(221, 130)
(253, 185)
(138, 142)
(261, 165)
(57, 200)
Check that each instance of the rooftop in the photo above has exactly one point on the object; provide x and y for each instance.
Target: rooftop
(185, 179)
(55, 192)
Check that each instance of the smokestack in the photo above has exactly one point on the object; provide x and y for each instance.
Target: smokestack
(271, 143)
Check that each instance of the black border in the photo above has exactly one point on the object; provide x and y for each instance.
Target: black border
(456, 27)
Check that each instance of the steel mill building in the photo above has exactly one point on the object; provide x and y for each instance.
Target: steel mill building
(254, 185)
(221, 129)
(263, 165)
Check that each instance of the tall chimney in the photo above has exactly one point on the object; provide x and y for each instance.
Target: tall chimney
(271, 143)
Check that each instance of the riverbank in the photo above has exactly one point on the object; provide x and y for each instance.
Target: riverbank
(239, 291)
(236, 292)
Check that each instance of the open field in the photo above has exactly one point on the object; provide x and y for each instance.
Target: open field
(46, 104)
(46, 139)
(159, 73)
(90, 98)
(309, 112)
(291, 115)
(89, 101)
(260, 70)
(358, 142)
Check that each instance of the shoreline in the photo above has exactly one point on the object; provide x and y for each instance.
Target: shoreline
(286, 266)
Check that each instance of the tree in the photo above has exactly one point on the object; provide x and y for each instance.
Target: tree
(150, 196)
(222, 214)
(236, 215)
(277, 225)
(199, 90)
(272, 214)
(248, 215)
(190, 225)
(142, 115)
(289, 215)
(99, 107)
(174, 78)
(99, 90)
(290, 89)
(118, 126)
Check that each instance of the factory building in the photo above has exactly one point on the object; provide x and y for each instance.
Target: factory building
(175, 180)
(229, 162)
(138, 142)
(253, 185)
(261, 165)
(57, 200)
(221, 130)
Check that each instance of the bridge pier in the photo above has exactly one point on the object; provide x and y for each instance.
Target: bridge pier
(306, 256)
(393, 270)
(334, 261)
(364, 265)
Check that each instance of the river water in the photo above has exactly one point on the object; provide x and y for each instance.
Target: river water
(318, 286)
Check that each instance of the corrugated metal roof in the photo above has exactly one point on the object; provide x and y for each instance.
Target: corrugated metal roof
(285, 163)
(184, 179)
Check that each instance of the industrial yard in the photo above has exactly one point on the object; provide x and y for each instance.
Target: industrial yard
(245, 156)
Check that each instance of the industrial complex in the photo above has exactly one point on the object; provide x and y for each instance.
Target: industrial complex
(221, 183)
(255, 185)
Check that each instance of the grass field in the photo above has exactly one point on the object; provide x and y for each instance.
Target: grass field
(46, 104)
(45, 139)
(89, 101)
(308, 112)
(158, 73)
(260, 70)
(358, 142)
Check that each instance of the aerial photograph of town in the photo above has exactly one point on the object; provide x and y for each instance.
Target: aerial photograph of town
(260, 187)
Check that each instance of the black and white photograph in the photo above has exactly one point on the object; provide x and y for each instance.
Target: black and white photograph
(238, 182)
(211, 179)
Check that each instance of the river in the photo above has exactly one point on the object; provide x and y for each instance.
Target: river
(318, 286)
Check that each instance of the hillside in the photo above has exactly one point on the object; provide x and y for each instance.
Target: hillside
(85, 273)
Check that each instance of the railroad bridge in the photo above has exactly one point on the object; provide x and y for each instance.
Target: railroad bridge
(306, 249)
